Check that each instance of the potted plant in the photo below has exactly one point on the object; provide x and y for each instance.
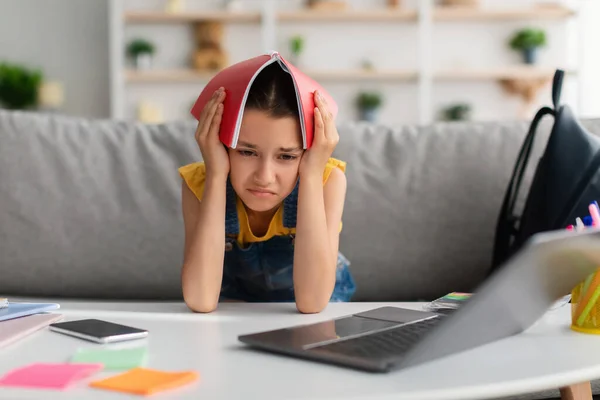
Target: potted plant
(19, 86)
(457, 112)
(368, 104)
(141, 51)
(296, 48)
(527, 41)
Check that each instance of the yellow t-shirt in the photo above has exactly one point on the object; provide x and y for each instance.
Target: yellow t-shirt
(194, 176)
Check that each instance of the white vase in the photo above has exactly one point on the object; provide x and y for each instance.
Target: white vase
(369, 114)
(143, 61)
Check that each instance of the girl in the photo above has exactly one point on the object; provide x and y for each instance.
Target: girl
(262, 221)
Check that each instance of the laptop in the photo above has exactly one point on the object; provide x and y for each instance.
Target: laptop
(512, 299)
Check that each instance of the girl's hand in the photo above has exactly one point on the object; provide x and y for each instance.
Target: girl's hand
(325, 139)
(213, 151)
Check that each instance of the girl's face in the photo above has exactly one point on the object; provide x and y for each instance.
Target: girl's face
(264, 166)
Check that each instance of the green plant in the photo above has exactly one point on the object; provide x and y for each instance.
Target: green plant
(296, 44)
(528, 38)
(457, 112)
(368, 100)
(140, 46)
(19, 86)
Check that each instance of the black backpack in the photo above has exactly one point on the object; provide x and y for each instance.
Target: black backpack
(565, 182)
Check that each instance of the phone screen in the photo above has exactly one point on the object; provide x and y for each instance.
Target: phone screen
(97, 328)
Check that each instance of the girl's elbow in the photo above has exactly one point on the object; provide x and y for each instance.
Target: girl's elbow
(310, 306)
(201, 306)
(199, 303)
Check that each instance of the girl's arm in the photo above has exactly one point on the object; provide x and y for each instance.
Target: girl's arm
(204, 251)
(319, 215)
(317, 239)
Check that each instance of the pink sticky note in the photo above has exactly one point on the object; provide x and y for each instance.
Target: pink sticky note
(48, 376)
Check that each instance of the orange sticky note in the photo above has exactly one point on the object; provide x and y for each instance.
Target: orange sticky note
(145, 381)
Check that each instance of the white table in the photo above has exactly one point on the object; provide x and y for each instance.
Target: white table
(549, 355)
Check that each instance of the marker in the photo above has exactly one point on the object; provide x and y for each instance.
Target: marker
(587, 220)
(579, 224)
(570, 228)
(595, 213)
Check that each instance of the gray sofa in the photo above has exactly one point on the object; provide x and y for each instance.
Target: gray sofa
(91, 208)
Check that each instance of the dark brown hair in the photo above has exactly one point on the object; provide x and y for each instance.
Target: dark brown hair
(273, 92)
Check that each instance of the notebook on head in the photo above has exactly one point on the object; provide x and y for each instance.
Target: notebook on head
(17, 328)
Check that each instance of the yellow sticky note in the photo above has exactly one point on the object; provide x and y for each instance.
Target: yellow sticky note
(145, 381)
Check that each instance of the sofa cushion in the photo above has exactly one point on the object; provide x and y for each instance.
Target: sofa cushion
(92, 208)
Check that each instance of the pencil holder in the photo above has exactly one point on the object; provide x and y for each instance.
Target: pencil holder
(585, 305)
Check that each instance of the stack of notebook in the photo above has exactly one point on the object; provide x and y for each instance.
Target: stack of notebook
(18, 320)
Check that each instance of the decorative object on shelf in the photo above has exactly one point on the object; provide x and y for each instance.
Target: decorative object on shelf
(327, 5)
(296, 48)
(234, 5)
(527, 89)
(394, 3)
(457, 112)
(368, 104)
(141, 52)
(367, 65)
(174, 6)
(527, 41)
(51, 96)
(459, 3)
(209, 54)
(19, 86)
(149, 113)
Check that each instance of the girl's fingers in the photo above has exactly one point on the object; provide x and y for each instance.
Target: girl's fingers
(208, 104)
(325, 115)
(319, 126)
(216, 122)
(211, 108)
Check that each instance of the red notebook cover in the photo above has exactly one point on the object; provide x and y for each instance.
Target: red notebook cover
(237, 79)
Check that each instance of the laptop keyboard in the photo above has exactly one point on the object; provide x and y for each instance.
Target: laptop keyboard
(390, 343)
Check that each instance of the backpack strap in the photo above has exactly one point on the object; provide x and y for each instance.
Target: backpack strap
(557, 87)
(507, 224)
(507, 220)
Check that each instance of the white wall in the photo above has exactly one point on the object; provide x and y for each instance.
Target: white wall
(590, 58)
(68, 40)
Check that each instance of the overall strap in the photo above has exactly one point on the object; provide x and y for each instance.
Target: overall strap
(290, 208)
(232, 224)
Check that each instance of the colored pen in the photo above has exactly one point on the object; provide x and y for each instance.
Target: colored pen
(587, 220)
(570, 227)
(579, 224)
(595, 213)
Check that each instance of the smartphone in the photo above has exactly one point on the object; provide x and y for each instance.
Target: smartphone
(98, 331)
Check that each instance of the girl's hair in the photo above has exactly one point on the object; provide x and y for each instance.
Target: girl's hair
(273, 92)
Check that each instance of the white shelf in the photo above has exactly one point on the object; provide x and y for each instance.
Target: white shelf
(374, 15)
(500, 14)
(167, 76)
(188, 16)
(189, 75)
(507, 72)
(362, 15)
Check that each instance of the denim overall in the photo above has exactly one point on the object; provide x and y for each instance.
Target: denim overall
(263, 271)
